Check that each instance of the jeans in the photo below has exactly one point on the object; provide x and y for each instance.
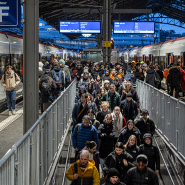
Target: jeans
(11, 99)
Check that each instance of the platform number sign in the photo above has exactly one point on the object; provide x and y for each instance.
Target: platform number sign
(10, 14)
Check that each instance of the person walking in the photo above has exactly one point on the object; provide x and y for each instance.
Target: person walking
(10, 80)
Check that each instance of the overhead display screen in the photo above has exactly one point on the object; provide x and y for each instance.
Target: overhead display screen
(134, 27)
(80, 27)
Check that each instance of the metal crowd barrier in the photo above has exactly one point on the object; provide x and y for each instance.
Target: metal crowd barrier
(167, 112)
(30, 159)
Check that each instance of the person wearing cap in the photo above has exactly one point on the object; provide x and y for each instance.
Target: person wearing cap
(151, 152)
(141, 174)
(145, 124)
(129, 77)
(84, 80)
(129, 107)
(64, 67)
(119, 87)
(174, 80)
(152, 76)
(97, 71)
(119, 159)
(112, 177)
(112, 97)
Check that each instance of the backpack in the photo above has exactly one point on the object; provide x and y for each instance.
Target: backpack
(57, 78)
(46, 88)
(75, 182)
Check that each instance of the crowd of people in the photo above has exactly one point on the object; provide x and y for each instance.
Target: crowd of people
(109, 136)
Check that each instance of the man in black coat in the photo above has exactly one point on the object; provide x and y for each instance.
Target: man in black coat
(97, 71)
(144, 124)
(174, 80)
(141, 174)
(119, 87)
(129, 108)
(151, 152)
(160, 73)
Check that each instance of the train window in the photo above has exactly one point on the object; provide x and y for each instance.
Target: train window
(4, 61)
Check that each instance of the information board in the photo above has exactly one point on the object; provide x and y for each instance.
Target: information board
(10, 14)
(134, 27)
(83, 27)
(106, 44)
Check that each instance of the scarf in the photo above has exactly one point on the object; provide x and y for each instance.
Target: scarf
(118, 123)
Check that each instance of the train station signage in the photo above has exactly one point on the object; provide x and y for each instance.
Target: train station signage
(106, 44)
(10, 14)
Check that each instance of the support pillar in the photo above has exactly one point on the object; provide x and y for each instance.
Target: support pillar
(107, 29)
(30, 63)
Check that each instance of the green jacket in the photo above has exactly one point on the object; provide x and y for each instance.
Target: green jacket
(113, 100)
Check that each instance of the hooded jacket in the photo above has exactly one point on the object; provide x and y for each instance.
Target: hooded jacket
(132, 150)
(85, 134)
(125, 133)
(90, 175)
(84, 81)
(152, 154)
(146, 177)
(107, 141)
(174, 77)
(129, 77)
(10, 81)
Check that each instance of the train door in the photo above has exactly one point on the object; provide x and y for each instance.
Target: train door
(144, 58)
(182, 59)
(169, 59)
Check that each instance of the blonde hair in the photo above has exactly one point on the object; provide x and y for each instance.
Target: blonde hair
(104, 104)
(132, 136)
(109, 116)
(131, 87)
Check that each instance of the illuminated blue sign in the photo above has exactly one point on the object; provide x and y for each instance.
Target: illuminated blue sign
(10, 14)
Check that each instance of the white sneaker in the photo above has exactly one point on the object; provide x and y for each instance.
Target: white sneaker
(10, 113)
(13, 112)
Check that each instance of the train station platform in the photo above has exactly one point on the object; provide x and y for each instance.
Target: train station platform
(45, 152)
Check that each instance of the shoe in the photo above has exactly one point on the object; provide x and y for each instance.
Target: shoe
(13, 112)
(10, 113)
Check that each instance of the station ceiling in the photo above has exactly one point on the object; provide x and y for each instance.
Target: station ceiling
(52, 11)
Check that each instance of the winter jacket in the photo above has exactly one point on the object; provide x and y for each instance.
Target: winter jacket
(132, 150)
(85, 134)
(111, 76)
(98, 103)
(110, 183)
(90, 175)
(183, 79)
(160, 73)
(95, 73)
(51, 96)
(96, 87)
(95, 157)
(148, 127)
(125, 133)
(78, 96)
(152, 154)
(94, 107)
(150, 77)
(136, 177)
(113, 100)
(84, 82)
(165, 75)
(105, 77)
(119, 89)
(100, 116)
(93, 93)
(79, 73)
(129, 113)
(134, 97)
(77, 109)
(129, 77)
(174, 77)
(95, 123)
(115, 161)
(138, 75)
(107, 141)
(10, 81)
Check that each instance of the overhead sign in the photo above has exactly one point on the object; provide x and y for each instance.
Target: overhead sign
(106, 44)
(10, 14)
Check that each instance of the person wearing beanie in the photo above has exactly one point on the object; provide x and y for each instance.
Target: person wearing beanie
(112, 177)
(151, 152)
(120, 160)
(129, 107)
(106, 84)
(141, 174)
(64, 67)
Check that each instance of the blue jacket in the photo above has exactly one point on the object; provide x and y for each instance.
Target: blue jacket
(85, 134)
(129, 77)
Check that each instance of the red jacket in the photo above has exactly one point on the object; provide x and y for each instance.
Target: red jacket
(183, 79)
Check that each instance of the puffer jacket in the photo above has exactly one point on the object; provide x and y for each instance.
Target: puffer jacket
(115, 161)
(107, 182)
(113, 100)
(146, 177)
(85, 134)
(10, 81)
(174, 77)
(84, 82)
(107, 141)
(134, 97)
(100, 115)
(152, 154)
(125, 133)
(90, 175)
(133, 151)
(95, 73)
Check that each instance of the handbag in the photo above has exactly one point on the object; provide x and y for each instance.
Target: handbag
(157, 80)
